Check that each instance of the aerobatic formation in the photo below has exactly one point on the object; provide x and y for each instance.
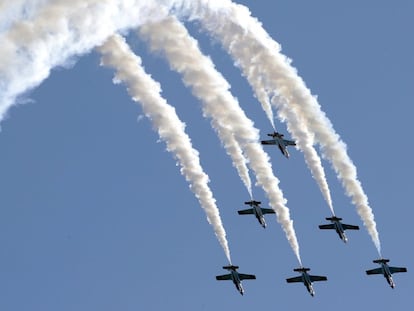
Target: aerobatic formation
(45, 34)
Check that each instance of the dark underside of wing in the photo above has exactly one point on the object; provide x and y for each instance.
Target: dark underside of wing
(397, 269)
(350, 227)
(247, 276)
(330, 226)
(295, 279)
(246, 212)
(224, 277)
(289, 142)
(317, 278)
(374, 271)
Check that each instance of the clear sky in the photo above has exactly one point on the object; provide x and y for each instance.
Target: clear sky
(96, 216)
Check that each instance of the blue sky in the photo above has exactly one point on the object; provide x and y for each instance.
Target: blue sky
(95, 213)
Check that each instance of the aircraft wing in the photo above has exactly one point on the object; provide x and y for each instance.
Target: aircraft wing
(330, 226)
(295, 279)
(223, 277)
(375, 271)
(289, 142)
(396, 269)
(267, 211)
(316, 278)
(269, 142)
(246, 211)
(247, 276)
(350, 227)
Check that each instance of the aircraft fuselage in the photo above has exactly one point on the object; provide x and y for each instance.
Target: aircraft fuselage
(387, 274)
(281, 144)
(236, 281)
(386, 270)
(306, 279)
(340, 230)
(308, 283)
(278, 139)
(259, 215)
(339, 227)
(235, 277)
(257, 211)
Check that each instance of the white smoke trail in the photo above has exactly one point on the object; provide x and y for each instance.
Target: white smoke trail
(17, 10)
(239, 162)
(251, 57)
(143, 89)
(228, 119)
(234, 151)
(63, 29)
(304, 140)
(57, 32)
(234, 26)
(251, 67)
(256, 81)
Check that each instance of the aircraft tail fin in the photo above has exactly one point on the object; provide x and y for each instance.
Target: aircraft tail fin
(333, 218)
(301, 269)
(231, 267)
(252, 202)
(382, 260)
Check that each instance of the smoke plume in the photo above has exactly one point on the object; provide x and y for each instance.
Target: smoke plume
(143, 89)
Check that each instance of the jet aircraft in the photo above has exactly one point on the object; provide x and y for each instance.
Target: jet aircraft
(236, 277)
(339, 227)
(306, 279)
(280, 142)
(386, 270)
(257, 211)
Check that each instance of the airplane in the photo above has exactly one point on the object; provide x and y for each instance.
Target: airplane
(339, 227)
(306, 279)
(257, 211)
(386, 270)
(236, 277)
(280, 142)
